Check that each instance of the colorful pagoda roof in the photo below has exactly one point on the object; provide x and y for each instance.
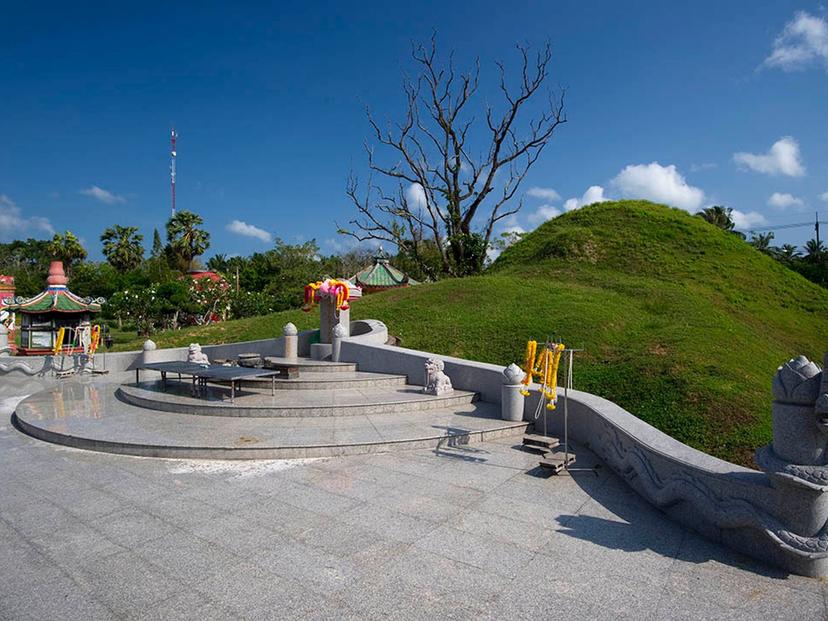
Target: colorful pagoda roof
(382, 274)
(55, 298)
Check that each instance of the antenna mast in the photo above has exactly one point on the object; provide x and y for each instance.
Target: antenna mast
(173, 136)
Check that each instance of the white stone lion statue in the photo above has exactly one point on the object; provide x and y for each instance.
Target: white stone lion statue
(194, 354)
(437, 382)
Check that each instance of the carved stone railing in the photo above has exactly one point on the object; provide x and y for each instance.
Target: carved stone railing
(779, 516)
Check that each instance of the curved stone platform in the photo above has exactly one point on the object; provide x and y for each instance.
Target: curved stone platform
(258, 402)
(320, 380)
(90, 416)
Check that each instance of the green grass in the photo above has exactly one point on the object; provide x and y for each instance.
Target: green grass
(682, 323)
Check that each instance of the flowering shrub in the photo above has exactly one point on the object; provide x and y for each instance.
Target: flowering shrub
(210, 300)
(250, 304)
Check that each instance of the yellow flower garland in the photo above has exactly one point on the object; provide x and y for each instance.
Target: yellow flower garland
(544, 367)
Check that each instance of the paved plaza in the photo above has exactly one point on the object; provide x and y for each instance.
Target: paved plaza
(469, 532)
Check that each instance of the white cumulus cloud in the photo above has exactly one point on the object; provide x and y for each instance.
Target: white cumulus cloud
(13, 223)
(661, 184)
(783, 200)
(802, 43)
(542, 214)
(547, 194)
(824, 197)
(782, 158)
(248, 230)
(594, 194)
(747, 220)
(415, 195)
(104, 196)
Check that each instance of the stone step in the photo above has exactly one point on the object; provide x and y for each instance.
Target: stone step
(215, 401)
(308, 365)
(556, 461)
(92, 418)
(537, 442)
(340, 380)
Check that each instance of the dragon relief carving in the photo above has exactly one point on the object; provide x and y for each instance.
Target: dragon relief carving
(631, 462)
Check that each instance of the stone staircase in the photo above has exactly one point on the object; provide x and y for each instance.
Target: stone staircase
(329, 409)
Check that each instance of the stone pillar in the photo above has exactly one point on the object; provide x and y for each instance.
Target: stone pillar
(329, 318)
(339, 333)
(799, 436)
(291, 337)
(511, 401)
(4, 338)
(797, 460)
(148, 351)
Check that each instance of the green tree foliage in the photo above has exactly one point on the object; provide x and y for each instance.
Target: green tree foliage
(719, 216)
(67, 248)
(28, 262)
(762, 242)
(157, 245)
(123, 247)
(186, 239)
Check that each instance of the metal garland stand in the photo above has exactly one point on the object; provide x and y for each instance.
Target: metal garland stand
(541, 405)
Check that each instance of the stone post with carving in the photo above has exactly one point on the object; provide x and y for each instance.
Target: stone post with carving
(797, 460)
(511, 401)
(291, 336)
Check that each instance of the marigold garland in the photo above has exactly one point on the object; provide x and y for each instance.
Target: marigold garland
(337, 290)
(544, 367)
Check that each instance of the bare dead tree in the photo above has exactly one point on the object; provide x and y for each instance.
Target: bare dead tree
(437, 194)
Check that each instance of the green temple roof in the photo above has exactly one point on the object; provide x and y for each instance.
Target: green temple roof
(382, 274)
(54, 299)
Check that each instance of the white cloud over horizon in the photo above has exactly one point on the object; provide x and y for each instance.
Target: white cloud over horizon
(783, 200)
(542, 214)
(661, 184)
(802, 43)
(783, 158)
(248, 230)
(824, 197)
(547, 194)
(746, 220)
(12, 221)
(104, 196)
(593, 194)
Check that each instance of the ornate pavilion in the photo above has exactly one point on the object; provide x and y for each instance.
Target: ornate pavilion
(53, 308)
(381, 276)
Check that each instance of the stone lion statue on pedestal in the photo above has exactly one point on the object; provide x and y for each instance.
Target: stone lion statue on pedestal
(437, 382)
(194, 354)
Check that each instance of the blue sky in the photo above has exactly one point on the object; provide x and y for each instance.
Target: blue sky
(688, 103)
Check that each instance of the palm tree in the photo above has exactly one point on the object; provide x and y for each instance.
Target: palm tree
(186, 240)
(720, 216)
(814, 250)
(122, 247)
(762, 242)
(217, 263)
(788, 252)
(67, 248)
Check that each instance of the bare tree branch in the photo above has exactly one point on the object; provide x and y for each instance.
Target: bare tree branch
(440, 190)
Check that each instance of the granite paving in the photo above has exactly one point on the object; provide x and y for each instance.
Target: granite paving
(469, 532)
